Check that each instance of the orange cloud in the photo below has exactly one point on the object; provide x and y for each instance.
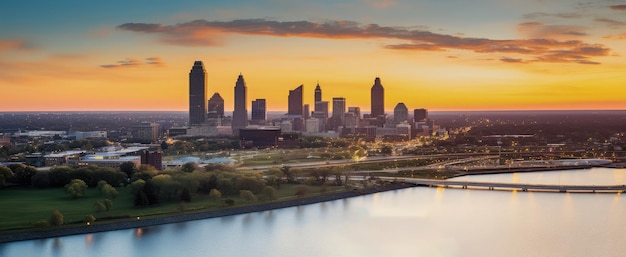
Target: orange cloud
(132, 62)
(7, 45)
(616, 37)
(621, 7)
(540, 30)
(202, 33)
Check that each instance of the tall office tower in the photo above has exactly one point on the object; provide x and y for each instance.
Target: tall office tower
(258, 110)
(306, 111)
(295, 101)
(400, 113)
(216, 106)
(339, 112)
(378, 98)
(240, 112)
(197, 94)
(420, 115)
(318, 94)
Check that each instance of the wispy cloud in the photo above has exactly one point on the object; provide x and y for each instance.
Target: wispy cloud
(13, 44)
(557, 15)
(512, 60)
(540, 30)
(203, 33)
(616, 37)
(381, 3)
(133, 62)
(621, 7)
(611, 23)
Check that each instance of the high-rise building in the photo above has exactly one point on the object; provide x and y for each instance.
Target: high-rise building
(377, 98)
(240, 112)
(318, 94)
(420, 115)
(258, 110)
(306, 111)
(295, 101)
(339, 112)
(216, 106)
(400, 113)
(197, 94)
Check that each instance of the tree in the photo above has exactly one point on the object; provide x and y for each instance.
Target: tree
(128, 168)
(90, 219)
(76, 188)
(6, 174)
(247, 196)
(103, 205)
(107, 190)
(56, 218)
(141, 199)
(185, 195)
(215, 194)
(23, 173)
(59, 176)
(188, 167)
(40, 180)
(137, 186)
(269, 193)
(302, 190)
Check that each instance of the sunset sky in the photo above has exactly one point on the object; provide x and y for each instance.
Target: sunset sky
(439, 55)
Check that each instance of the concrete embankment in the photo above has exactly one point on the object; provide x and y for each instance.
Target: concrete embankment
(146, 221)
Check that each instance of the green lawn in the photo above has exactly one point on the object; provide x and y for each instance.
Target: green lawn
(22, 208)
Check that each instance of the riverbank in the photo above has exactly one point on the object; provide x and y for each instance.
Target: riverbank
(146, 222)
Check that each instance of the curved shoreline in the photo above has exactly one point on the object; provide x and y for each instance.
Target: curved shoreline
(95, 228)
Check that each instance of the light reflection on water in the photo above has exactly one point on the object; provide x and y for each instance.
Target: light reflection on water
(411, 222)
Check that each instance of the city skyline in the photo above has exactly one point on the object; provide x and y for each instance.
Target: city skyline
(444, 56)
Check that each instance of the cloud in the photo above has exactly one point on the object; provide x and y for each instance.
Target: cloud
(540, 30)
(557, 15)
(155, 61)
(616, 37)
(621, 7)
(611, 22)
(512, 60)
(132, 62)
(14, 44)
(381, 3)
(203, 33)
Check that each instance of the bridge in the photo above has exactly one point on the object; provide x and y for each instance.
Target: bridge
(511, 186)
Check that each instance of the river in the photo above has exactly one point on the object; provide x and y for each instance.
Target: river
(417, 221)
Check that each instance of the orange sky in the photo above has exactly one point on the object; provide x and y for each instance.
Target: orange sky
(507, 56)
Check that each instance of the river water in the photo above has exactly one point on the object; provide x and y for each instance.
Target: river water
(410, 222)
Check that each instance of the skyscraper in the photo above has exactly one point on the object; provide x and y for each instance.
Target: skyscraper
(295, 101)
(197, 94)
(318, 94)
(377, 99)
(258, 110)
(400, 113)
(420, 115)
(339, 112)
(216, 106)
(240, 112)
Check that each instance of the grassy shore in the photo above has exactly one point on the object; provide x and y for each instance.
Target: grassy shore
(133, 217)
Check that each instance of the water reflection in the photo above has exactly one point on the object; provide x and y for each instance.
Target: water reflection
(417, 221)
